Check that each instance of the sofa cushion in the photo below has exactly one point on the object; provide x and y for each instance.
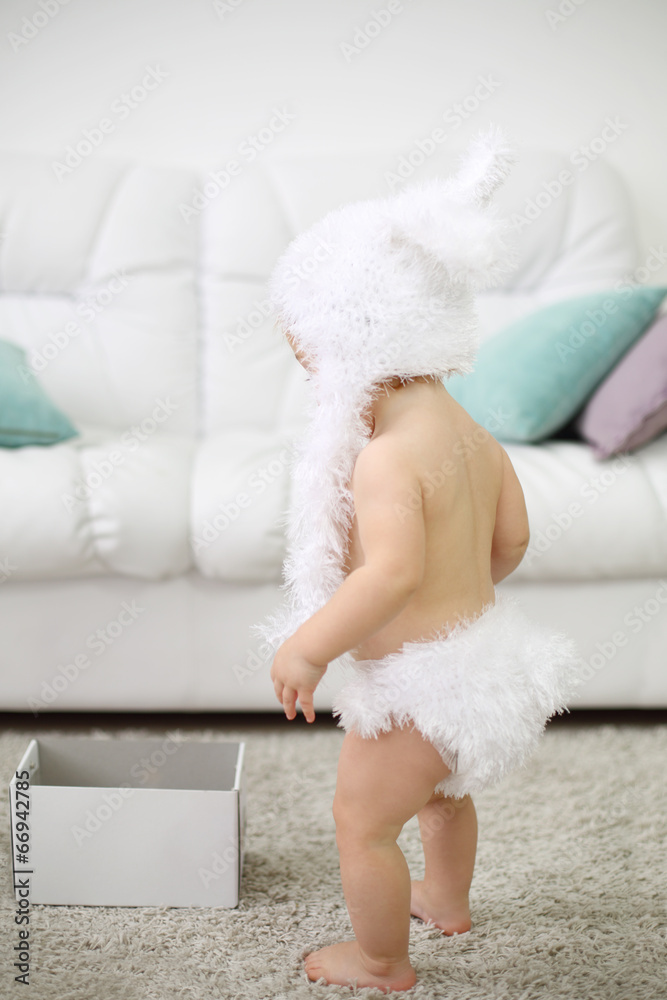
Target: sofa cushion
(535, 375)
(630, 407)
(27, 415)
(592, 520)
(98, 505)
(240, 491)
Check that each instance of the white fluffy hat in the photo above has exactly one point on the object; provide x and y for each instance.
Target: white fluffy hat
(378, 289)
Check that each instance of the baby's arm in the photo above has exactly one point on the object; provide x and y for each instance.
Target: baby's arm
(511, 533)
(384, 483)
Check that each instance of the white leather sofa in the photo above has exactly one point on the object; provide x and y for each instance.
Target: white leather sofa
(134, 558)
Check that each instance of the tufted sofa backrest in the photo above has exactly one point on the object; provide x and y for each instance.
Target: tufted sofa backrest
(97, 284)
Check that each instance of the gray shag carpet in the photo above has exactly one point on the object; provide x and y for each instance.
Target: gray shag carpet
(568, 899)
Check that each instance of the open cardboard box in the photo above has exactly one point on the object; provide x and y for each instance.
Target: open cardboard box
(119, 822)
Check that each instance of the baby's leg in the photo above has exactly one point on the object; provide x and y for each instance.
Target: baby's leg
(449, 837)
(381, 784)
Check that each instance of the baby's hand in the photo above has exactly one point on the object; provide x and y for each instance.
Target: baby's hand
(294, 677)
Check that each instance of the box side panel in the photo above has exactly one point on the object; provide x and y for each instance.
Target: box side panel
(135, 847)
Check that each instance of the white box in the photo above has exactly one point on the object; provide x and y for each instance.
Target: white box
(116, 822)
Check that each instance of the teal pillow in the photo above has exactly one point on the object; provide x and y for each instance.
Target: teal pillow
(27, 415)
(536, 374)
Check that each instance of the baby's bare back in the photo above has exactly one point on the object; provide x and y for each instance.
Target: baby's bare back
(459, 480)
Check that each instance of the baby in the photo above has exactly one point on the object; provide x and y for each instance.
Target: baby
(406, 514)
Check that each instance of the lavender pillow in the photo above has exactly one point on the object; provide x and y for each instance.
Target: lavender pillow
(630, 407)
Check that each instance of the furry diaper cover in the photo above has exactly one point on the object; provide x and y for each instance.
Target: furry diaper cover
(482, 695)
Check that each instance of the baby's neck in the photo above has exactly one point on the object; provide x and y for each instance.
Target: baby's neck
(396, 397)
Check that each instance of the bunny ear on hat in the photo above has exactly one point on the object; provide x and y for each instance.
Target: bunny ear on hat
(485, 164)
(452, 220)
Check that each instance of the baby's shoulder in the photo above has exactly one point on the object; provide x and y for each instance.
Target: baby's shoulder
(385, 458)
(386, 448)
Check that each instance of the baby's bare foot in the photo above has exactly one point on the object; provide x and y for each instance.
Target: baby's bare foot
(451, 918)
(342, 963)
